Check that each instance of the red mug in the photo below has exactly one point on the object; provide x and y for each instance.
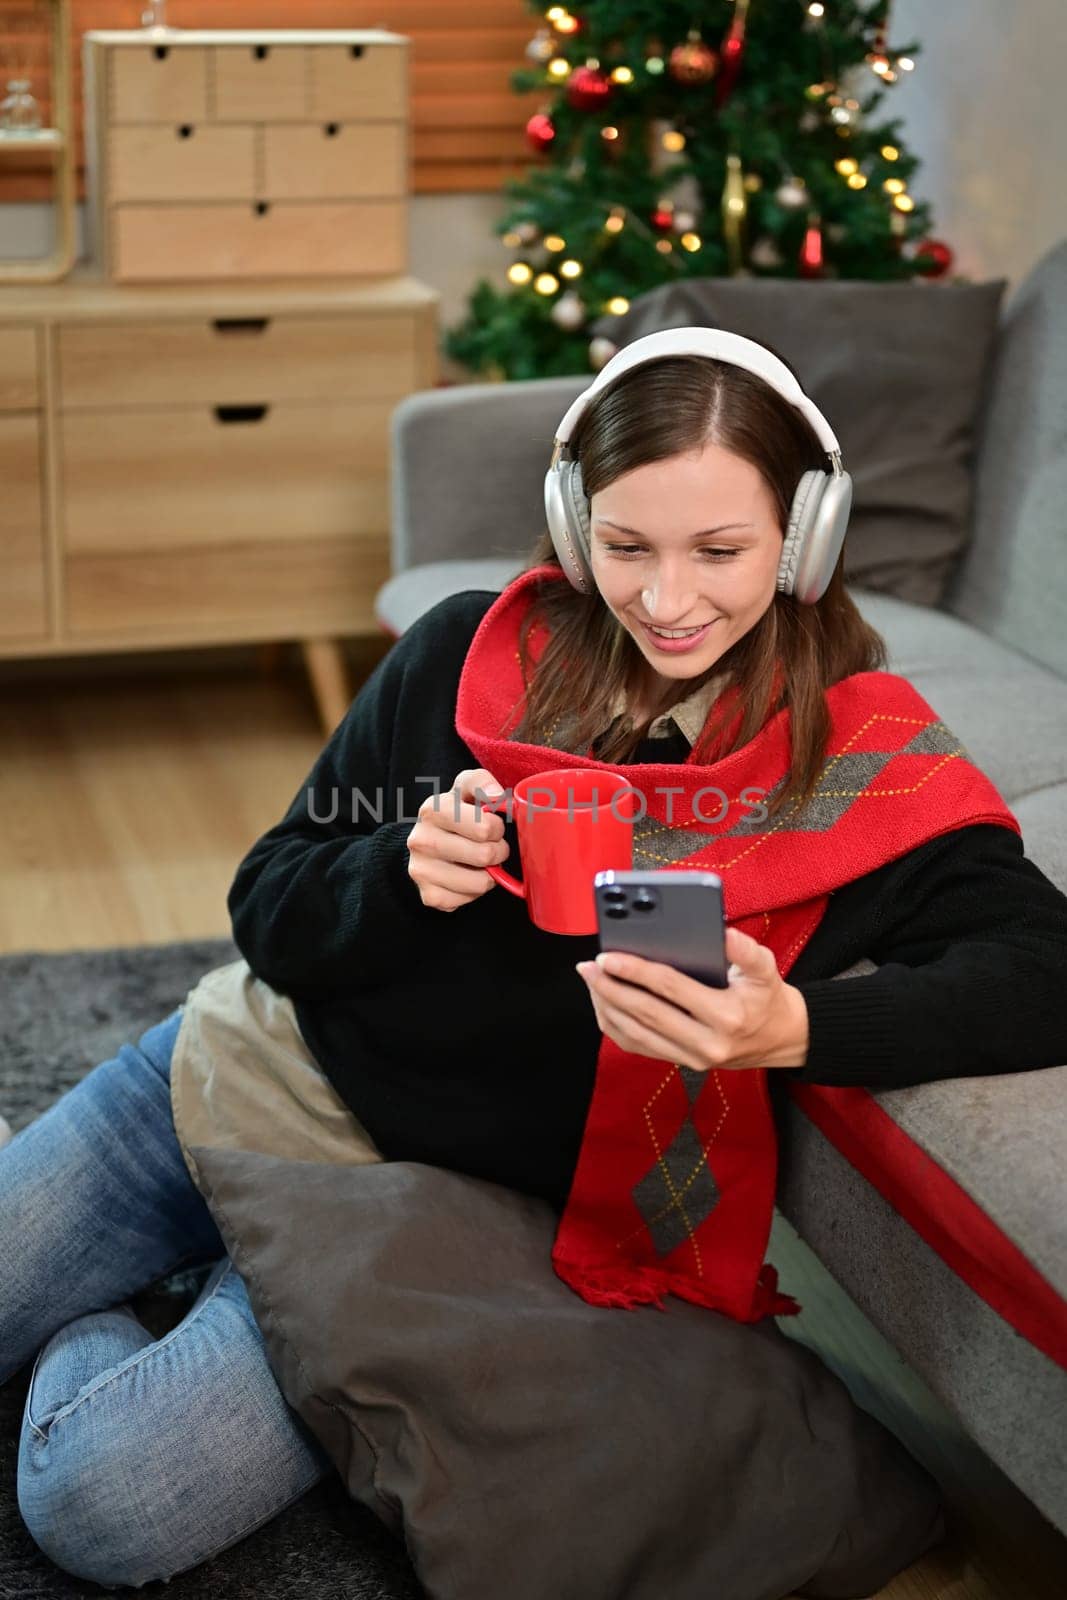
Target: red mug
(572, 823)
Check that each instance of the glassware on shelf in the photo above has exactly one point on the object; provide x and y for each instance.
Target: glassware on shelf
(154, 16)
(19, 111)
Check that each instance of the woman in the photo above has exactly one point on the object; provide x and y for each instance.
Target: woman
(689, 514)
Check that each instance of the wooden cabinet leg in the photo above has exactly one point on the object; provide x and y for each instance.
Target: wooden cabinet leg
(326, 668)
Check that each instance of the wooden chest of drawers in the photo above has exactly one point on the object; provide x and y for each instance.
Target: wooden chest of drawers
(247, 154)
(195, 466)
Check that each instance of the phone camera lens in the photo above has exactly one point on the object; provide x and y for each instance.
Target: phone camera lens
(614, 896)
(643, 901)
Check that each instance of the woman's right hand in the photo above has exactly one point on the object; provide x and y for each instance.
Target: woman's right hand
(454, 841)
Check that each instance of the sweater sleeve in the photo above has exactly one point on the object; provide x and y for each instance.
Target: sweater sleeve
(970, 940)
(323, 900)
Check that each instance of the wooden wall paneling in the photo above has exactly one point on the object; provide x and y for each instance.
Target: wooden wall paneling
(462, 59)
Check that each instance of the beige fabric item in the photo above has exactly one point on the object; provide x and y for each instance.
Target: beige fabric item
(242, 1078)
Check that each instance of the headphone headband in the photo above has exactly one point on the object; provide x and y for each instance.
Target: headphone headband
(717, 344)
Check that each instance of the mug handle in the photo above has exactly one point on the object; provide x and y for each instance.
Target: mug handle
(498, 875)
(506, 881)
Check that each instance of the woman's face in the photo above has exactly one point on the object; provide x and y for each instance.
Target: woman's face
(693, 541)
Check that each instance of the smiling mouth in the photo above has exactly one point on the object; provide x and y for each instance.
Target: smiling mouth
(677, 633)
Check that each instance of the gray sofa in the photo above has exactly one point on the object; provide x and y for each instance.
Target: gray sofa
(941, 1209)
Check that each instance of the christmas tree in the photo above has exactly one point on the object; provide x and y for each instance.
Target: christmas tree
(695, 138)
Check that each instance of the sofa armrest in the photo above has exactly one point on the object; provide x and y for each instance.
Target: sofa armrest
(468, 467)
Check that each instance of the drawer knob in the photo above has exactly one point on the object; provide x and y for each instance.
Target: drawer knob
(186, 131)
(332, 129)
(355, 50)
(261, 52)
(161, 52)
(230, 414)
(241, 324)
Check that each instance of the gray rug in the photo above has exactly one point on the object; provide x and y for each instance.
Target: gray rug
(59, 1016)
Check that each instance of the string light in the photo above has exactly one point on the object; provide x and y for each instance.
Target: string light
(890, 152)
(558, 68)
(566, 23)
(673, 140)
(615, 223)
(654, 64)
(894, 186)
(690, 241)
(570, 269)
(880, 65)
(546, 283)
(904, 202)
(664, 246)
(846, 165)
(555, 241)
(623, 75)
(816, 9)
(555, 12)
(906, 64)
(519, 272)
(512, 240)
(857, 181)
(609, 133)
(839, 114)
(617, 305)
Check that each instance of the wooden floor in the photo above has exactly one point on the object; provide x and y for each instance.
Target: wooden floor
(127, 801)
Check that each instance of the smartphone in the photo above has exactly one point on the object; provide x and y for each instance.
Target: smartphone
(674, 917)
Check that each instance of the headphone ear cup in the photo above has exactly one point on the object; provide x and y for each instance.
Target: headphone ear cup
(818, 520)
(567, 513)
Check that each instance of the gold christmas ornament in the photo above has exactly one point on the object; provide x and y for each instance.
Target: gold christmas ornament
(734, 211)
(694, 61)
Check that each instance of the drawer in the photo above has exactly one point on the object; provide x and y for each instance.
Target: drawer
(324, 239)
(257, 83)
(18, 369)
(158, 83)
(23, 611)
(173, 477)
(253, 591)
(335, 160)
(361, 81)
(230, 360)
(187, 161)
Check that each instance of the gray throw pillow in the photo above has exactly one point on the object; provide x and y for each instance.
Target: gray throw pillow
(524, 1442)
(900, 371)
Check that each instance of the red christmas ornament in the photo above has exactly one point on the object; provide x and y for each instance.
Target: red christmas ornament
(540, 131)
(810, 260)
(732, 53)
(588, 89)
(693, 62)
(938, 258)
(663, 219)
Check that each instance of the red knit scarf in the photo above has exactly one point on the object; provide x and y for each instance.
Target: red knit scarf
(675, 1183)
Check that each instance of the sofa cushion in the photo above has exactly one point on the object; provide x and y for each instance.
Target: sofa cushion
(1010, 712)
(404, 597)
(939, 1209)
(899, 369)
(1013, 583)
(525, 1441)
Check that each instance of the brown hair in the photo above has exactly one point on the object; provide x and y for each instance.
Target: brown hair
(659, 409)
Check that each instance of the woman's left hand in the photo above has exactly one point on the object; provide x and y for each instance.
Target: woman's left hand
(758, 1020)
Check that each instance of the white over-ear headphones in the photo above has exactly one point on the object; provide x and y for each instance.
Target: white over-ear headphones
(818, 516)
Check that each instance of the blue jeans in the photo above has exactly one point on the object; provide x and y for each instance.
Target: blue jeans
(138, 1457)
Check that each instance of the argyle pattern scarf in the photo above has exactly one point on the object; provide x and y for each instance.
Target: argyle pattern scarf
(674, 1187)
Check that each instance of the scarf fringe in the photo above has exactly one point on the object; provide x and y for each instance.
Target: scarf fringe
(635, 1286)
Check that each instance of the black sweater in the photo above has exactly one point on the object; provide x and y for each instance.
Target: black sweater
(466, 1039)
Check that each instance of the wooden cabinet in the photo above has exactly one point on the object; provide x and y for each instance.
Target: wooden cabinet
(23, 592)
(222, 155)
(200, 466)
